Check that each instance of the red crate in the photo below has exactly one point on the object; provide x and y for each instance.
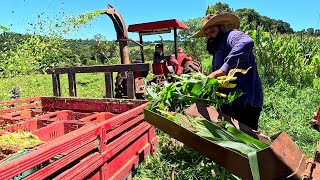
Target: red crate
(57, 129)
(106, 144)
(29, 121)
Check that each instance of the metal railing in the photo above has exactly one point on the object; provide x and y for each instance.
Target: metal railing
(108, 72)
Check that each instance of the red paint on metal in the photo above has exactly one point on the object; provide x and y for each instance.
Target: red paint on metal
(28, 106)
(82, 169)
(124, 127)
(96, 176)
(20, 101)
(181, 58)
(98, 117)
(83, 139)
(123, 162)
(55, 166)
(87, 106)
(157, 25)
(115, 146)
(317, 117)
(27, 125)
(160, 68)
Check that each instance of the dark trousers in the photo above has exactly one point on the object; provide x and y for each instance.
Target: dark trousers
(245, 114)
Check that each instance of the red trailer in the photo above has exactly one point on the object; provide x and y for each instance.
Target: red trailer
(84, 138)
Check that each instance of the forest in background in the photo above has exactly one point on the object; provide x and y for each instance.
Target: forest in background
(31, 53)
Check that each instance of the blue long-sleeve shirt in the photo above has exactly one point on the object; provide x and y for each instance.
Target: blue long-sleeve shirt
(236, 51)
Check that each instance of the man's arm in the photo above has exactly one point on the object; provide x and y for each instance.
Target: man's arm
(217, 73)
(241, 46)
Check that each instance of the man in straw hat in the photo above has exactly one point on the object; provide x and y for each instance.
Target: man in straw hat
(232, 48)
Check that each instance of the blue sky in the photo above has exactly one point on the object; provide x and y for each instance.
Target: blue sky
(16, 14)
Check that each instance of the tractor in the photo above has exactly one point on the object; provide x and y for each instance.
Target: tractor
(177, 63)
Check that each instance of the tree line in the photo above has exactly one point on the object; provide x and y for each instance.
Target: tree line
(250, 16)
(29, 53)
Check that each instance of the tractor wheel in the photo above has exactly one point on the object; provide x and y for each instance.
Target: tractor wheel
(192, 66)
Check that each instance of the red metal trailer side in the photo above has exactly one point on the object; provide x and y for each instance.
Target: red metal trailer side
(84, 138)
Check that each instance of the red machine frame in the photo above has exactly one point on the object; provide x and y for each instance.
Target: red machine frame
(315, 122)
(160, 27)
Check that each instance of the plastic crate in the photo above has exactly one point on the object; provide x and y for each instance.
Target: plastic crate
(32, 121)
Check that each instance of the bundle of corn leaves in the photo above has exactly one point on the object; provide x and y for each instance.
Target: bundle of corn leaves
(172, 99)
(190, 88)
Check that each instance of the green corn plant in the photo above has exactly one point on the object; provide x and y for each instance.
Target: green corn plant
(286, 57)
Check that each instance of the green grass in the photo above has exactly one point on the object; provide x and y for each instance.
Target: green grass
(289, 108)
(188, 163)
(88, 85)
(286, 108)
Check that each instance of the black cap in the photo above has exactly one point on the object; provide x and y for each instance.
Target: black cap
(158, 46)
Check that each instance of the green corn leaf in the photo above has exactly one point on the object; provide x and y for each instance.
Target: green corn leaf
(206, 90)
(213, 129)
(169, 91)
(246, 138)
(4, 28)
(162, 106)
(253, 162)
(182, 76)
(213, 82)
(208, 136)
(151, 95)
(196, 89)
(237, 146)
(226, 135)
(184, 87)
(170, 115)
(233, 95)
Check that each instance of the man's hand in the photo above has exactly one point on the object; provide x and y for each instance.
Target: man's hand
(217, 73)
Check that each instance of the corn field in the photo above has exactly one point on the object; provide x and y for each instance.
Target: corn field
(292, 58)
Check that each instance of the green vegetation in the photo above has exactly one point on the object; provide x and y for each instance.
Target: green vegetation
(172, 100)
(88, 85)
(3, 28)
(286, 108)
(189, 89)
(13, 142)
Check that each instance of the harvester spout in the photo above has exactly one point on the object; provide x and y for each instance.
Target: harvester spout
(122, 33)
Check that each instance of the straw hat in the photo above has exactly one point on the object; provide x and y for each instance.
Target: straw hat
(228, 20)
